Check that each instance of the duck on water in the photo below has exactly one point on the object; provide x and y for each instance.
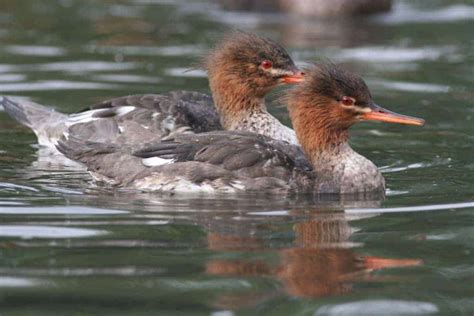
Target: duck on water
(242, 69)
(322, 109)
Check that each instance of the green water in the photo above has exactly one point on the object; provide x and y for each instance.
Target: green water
(70, 247)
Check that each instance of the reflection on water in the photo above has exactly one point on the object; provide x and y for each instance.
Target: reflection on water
(67, 244)
(319, 263)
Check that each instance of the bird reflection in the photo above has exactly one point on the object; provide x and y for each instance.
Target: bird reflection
(321, 261)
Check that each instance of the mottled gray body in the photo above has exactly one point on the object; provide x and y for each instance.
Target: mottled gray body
(223, 162)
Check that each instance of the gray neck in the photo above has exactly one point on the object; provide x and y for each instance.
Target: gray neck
(236, 110)
(340, 169)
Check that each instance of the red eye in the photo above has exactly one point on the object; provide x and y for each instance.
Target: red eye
(347, 101)
(266, 64)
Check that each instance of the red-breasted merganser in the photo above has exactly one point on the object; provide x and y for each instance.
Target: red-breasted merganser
(242, 69)
(322, 108)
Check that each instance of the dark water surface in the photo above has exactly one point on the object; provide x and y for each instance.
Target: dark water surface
(70, 247)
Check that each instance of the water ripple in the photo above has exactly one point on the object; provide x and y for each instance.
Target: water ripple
(405, 14)
(6, 281)
(394, 54)
(378, 307)
(174, 51)
(185, 72)
(84, 66)
(409, 86)
(92, 271)
(29, 50)
(417, 165)
(27, 232)
(69, 210)
(127, 78)
(55, 85)
(14, 187)
(12, 77)
(419, 208)
(4, 203)
(70, 66)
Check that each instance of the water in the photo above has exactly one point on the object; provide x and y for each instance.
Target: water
(70, 247)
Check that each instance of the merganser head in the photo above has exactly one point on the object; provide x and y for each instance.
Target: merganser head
(343, 97)
(247, 62)
(328, 102)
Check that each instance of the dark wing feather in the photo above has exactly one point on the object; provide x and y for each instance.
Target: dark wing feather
(245, 154)
(154, 116)
(190, 108)
(144, 101)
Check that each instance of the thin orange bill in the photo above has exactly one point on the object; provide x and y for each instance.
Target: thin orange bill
(297, 77)
(376, 263)
(378, 113)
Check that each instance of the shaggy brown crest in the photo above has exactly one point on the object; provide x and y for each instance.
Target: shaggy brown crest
(241, 54)
(252, 66)
(334, 82)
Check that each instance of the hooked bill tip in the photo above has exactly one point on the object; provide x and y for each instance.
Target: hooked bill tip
(378, 113)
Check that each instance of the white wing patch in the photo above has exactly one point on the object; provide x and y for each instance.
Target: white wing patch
(238, 185)
(168, 124)
(156, 161)
(66, 135)
(88, 116)
(124, 110)
(82, 117)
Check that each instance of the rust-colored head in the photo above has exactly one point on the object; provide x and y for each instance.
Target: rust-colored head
(344, 96)
(250, 64)
(332, 99)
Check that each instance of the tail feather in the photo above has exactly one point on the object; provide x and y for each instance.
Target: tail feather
(47, 124)
(28, 113)
(15, 111)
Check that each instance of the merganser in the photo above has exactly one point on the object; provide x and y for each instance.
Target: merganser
(322, 108)
(240, 77)
(242, 69)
